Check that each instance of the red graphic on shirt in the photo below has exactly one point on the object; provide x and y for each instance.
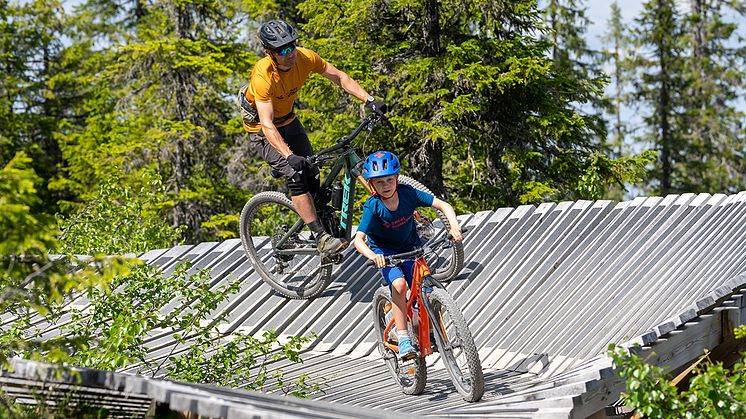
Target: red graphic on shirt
(398, 223)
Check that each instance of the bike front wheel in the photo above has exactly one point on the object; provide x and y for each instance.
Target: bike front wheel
(410, 376)
(456, 346)
(445, 263)
(281, 247)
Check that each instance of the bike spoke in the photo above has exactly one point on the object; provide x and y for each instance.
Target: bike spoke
(458, 352)
(281, 247)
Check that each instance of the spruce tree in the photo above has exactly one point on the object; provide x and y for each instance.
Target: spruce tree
(567, 22)
(35, 95)
(713, 122)
(164, 104)
(471, 78)
(615, 54)
(659, 86)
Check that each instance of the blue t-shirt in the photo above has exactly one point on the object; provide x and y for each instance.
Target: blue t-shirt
(394, 230)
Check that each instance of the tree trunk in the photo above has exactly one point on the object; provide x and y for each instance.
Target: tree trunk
(618, 99)
(663, 114)
(427, 161)
(427, 166)
(431, 28)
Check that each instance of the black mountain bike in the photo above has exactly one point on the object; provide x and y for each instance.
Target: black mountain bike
(282, 248)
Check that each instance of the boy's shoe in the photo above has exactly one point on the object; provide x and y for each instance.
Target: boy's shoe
(326, 243)
(406, 350)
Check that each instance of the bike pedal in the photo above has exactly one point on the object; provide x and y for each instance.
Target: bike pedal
(336, 258)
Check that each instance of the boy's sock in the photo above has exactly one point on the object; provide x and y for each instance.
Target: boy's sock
(401, 334)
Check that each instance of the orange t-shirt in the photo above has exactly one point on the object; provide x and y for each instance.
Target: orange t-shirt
(268, 84)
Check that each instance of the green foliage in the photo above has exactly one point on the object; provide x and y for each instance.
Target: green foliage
(713, 392)
(470, 78)
(120, 219)
(112, 306)
(687, 86)
(115, 325)
(22, 232)
(712, 122)
(67, 406)
(244, 361)
(625, 170)
(224, 226)
(32, 283)
(155, 100)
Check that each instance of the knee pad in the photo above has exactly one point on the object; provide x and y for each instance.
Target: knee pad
(297, 184)
(310, 181)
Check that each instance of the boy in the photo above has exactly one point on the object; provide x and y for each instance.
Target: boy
(388, 225)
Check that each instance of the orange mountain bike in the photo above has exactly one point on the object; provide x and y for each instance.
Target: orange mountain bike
(441, 318)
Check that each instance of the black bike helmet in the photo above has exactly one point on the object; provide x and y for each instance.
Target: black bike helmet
(277, 33)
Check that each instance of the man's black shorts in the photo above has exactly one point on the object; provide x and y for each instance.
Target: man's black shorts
(296, 138)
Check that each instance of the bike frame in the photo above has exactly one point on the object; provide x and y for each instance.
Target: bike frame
(418, 292)
(346, 161)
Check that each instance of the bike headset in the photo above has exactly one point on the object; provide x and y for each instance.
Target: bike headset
(381, 164)
(275, 34)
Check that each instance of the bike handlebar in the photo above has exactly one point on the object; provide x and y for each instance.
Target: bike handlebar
(392, 260)
(368, 122)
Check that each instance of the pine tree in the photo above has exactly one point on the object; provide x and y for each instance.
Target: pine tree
(618, 41)
(713, 123)
(471, 78)
(658, 88)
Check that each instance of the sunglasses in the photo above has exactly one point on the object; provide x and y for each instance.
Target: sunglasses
(287, 49)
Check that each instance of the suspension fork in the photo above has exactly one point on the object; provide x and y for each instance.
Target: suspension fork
(430, 282)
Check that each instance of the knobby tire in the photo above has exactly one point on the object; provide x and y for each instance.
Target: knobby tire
(415, 385)
(269, 203)
(468, 377)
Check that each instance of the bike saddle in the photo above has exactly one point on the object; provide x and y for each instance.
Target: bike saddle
(276, 174)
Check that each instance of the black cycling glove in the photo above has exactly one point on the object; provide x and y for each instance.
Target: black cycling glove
(376, 106)
(298, 163)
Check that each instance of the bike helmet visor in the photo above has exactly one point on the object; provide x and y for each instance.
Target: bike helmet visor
(276, 34)
(381, 164)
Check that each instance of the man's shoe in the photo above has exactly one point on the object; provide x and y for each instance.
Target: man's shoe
(327, 244)
(406, 350)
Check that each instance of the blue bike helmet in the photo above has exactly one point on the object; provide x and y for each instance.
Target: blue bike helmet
(380, 164)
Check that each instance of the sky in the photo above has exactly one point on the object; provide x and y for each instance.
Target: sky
(600, 11)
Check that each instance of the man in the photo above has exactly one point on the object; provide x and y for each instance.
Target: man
(276, 133)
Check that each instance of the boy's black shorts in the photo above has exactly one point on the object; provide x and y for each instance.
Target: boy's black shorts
(296, 138)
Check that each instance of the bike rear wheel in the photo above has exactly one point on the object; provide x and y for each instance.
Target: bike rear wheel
(412, 379)
(456, 346)
(281, 247)
(444, 263)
